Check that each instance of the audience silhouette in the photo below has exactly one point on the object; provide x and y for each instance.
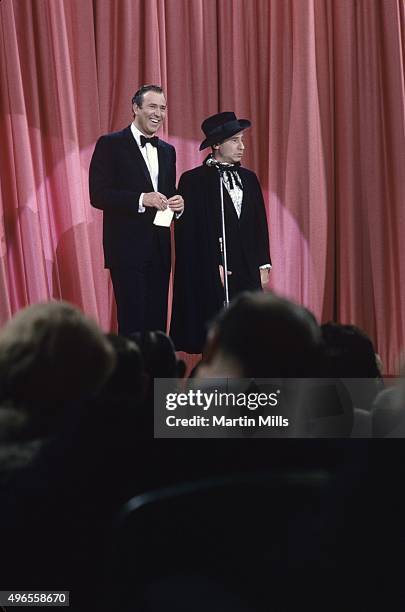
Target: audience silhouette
(77, 442)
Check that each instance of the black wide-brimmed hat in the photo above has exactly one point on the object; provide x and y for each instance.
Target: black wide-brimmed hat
(221, 126)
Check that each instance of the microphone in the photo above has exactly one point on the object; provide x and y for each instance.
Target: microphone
(229, 169)
(211, 161)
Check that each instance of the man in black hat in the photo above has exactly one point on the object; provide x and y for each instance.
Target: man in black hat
(201, 247)
(132, 179)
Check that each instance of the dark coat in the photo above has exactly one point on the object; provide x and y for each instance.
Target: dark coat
(198, 293)
(118, 176)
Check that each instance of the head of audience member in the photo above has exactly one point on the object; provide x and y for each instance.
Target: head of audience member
(262, 335)
(328, 410)
(349, 352)
(159, 355)
(128, 378)
(51, 353)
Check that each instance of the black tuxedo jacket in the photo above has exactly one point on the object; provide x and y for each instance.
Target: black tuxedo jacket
(118, 176)
(198, 293)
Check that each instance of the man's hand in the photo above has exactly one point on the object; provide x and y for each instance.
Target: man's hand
(264, 276)
(221, 274)
(154, 199)
(176, 204)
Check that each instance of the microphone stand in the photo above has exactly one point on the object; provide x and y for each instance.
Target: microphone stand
(222, 239)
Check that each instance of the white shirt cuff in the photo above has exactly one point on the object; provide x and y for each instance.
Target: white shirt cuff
(141, 207)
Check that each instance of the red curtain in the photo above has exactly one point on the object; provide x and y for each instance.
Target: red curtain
(322, 82)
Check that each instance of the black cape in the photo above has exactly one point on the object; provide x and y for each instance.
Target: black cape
(198, 294)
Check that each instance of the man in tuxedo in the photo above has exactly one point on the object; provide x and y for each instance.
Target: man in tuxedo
(199, 273)
(132, 178)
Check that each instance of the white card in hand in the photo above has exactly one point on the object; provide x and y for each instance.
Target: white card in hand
(163, 217)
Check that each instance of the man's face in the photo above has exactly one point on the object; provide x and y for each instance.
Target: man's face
(231, 150)
(149, 117)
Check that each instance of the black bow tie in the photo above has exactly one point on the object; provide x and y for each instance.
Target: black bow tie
(153, 141)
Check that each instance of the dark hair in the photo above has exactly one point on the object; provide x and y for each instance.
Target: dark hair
(349, 352)
(51, 351)
(137, 98)
(128, 376)
(269, 336)
(158, 353)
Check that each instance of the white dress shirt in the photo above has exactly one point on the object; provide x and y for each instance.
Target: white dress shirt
(236, 193)
(150, 155)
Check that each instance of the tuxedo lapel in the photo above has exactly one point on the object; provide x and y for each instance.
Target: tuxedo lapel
(136, 155)
(162, 167)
